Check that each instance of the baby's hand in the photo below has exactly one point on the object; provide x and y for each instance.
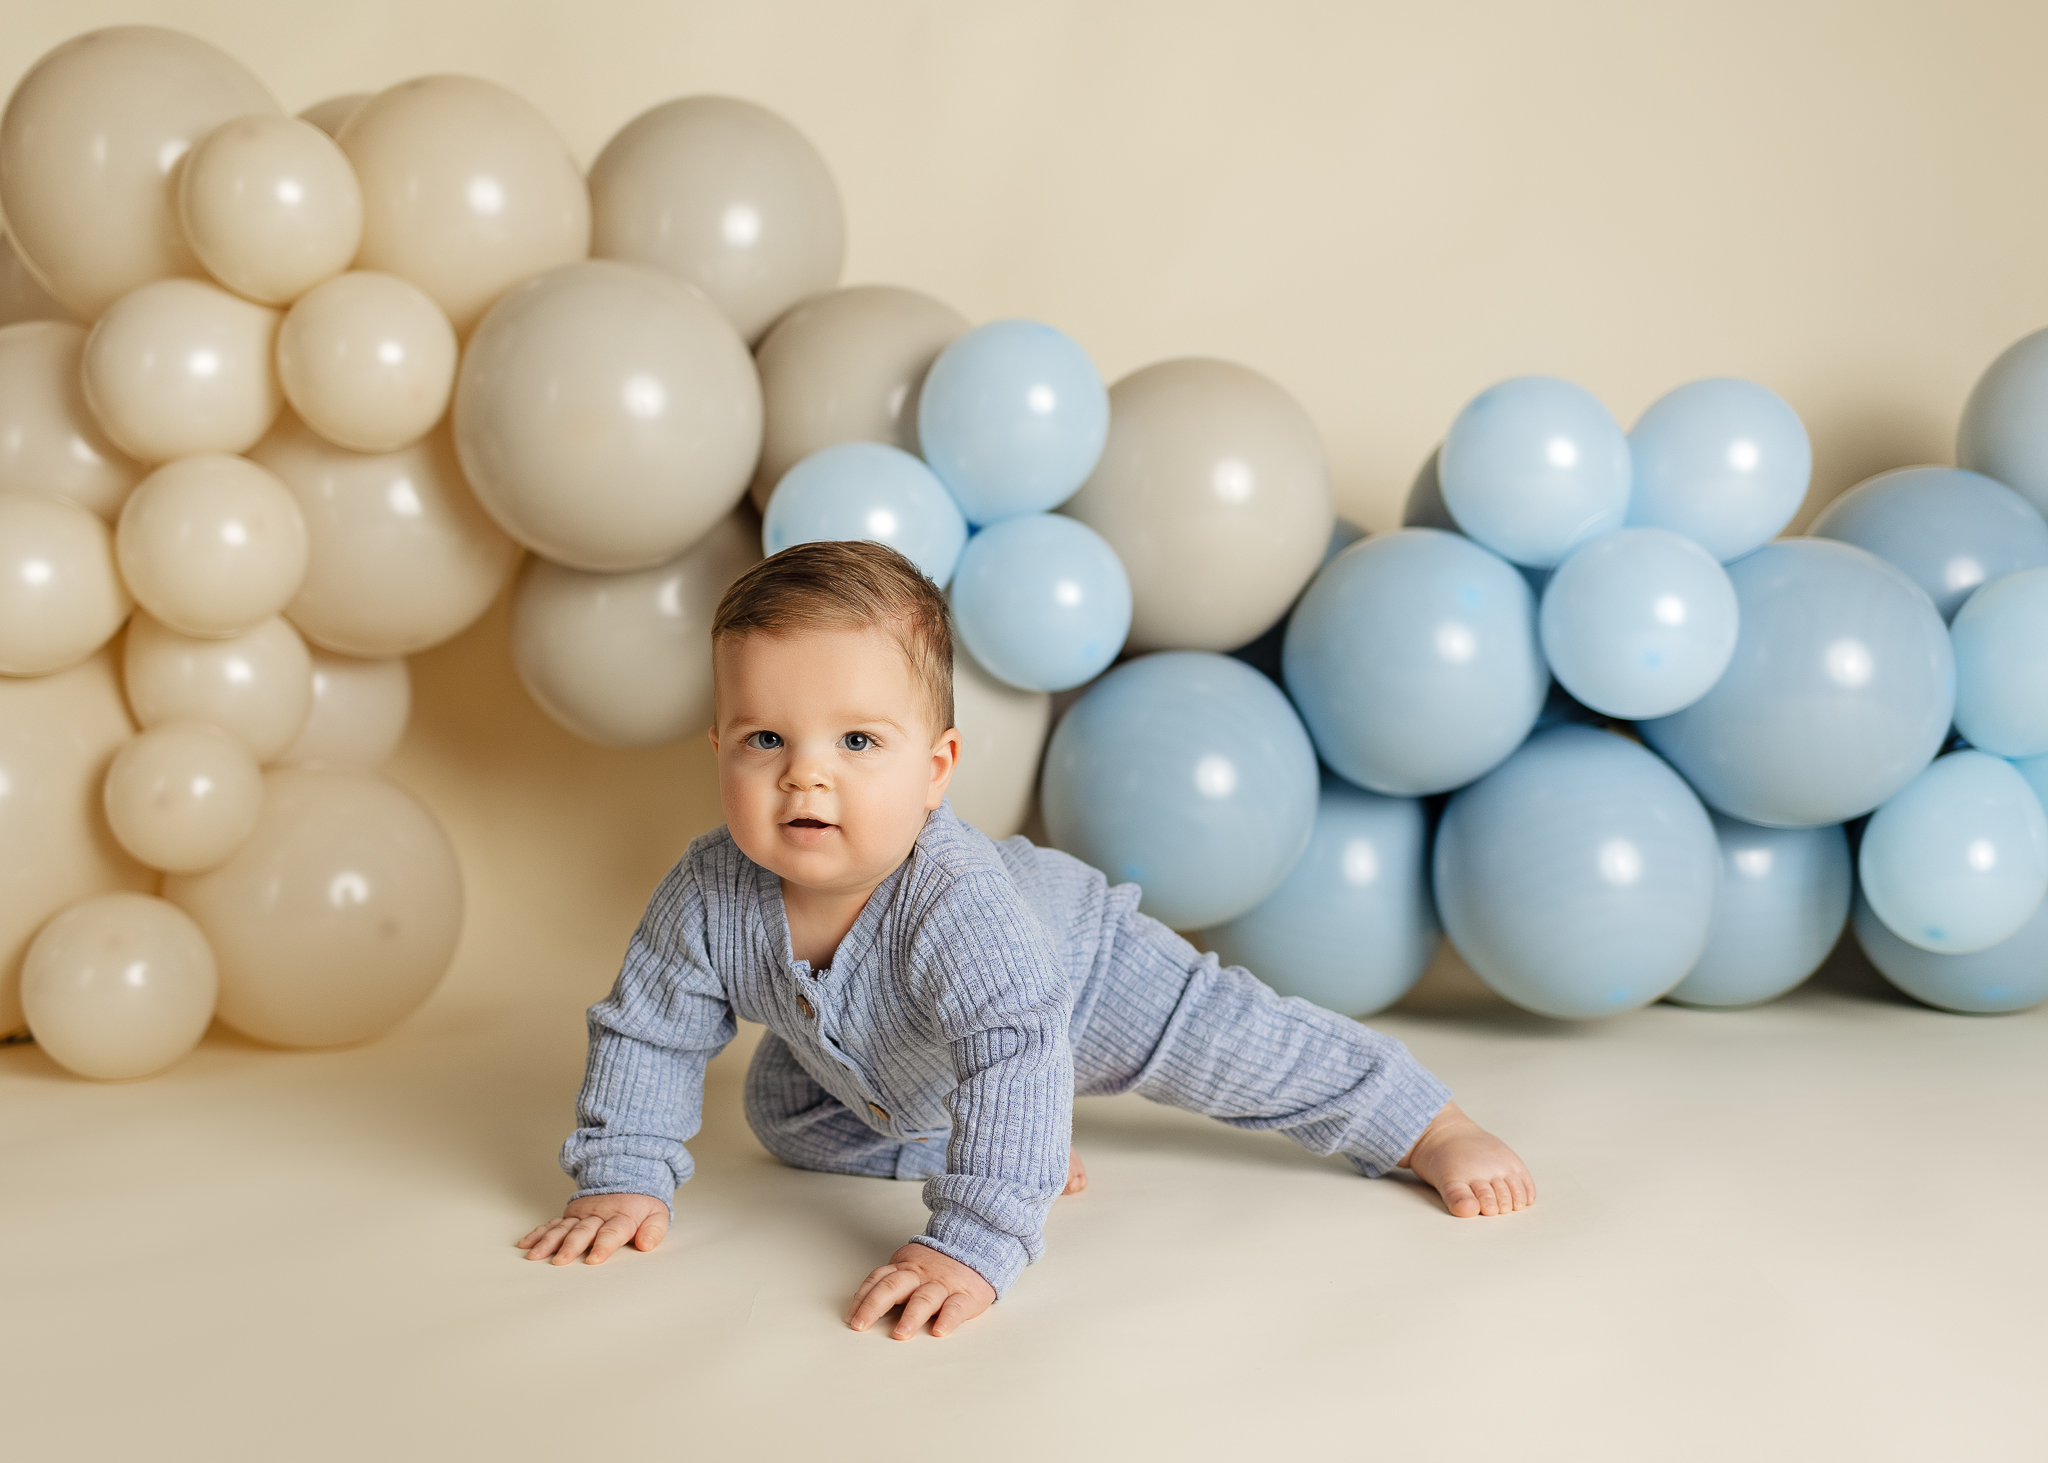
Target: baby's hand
(928, 1285)
(598, 1224)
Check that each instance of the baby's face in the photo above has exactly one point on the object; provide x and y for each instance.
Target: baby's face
(827, 760)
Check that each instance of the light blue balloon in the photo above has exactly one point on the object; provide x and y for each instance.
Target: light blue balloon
(1186, 772)
(1950, 530)
(865, 490)
(1958, 860)
(1042, 601)
(1578, 879)
(2035, 771)
(2004, 430)
(1012, 417)
(1353, 926)
(1638, 623)
(1723, 461)
(1413, 658)
(2010, 976)
(2001, 643)
(1838, 695)
(1784, 896)
(1534, 467)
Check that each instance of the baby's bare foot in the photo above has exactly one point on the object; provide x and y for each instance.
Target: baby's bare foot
(1474, 1171)
(1077, 1176)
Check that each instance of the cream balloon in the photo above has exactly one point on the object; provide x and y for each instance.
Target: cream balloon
(57, 735)
(183, 796)
(1214, 491)
(467, 189)
(88, 145)
(624, 660)
(607, 415)
(401, 556)
(22, 296)
(118, 986)
(211, 545)
(60, 599)
(360, 708)
(337, 918)
(270, 207)
(846, 367)
(729, 196)
(257, 685)
(367, 361)
(1002, 735)
(180, 367)
(49, 440)
(331, 115)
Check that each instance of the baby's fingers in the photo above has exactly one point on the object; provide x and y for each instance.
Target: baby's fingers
(880, 1293)
(576, 1240)
(924, 1302)
(614, 1232)
(548, 1240)
(959, 1307)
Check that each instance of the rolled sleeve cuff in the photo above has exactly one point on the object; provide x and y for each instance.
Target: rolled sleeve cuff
(624, 1174)
(997, 1258)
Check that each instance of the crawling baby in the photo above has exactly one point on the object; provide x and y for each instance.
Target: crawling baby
(934, 1000)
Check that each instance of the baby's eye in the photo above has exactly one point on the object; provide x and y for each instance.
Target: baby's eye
(856, 741)
(764, 741)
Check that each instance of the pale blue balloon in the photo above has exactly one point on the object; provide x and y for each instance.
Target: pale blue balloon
(1838, 695)
(1950, 530)
(1042, 601)
(865, 490)
(2010, 976)
(2004, 430)
(1958, 860)
(1784, 896)
(1578, 879)
(1413, 658)
(1012, 417)
(1639, 623)
(2001, 643)
(1533, 467)
(1353, 926)
(1723, 461)
(2035, 771)
(1186, 772)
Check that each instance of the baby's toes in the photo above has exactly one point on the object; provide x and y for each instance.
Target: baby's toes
(1490, 1192)
(1460, 1200)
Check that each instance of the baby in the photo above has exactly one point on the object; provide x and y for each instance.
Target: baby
(934, 1000)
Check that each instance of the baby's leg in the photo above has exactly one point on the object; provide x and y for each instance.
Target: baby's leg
(807, 1127)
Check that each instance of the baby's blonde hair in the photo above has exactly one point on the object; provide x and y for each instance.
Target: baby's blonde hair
(849, 584)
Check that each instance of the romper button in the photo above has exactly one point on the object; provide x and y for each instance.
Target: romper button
(810, 1012)
(877, 1109)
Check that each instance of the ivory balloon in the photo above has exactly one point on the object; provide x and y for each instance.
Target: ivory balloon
(88, 146)
(1002, 734)
(60, 599)
(1214, 492)
(270, 206)
(119, 986)
(360, 708)
(367, 361)
(400, 555)
(179, 368)
(22, 296)
(624, 660)
(607, 415)
(49, 441)
(337, 918)
(467, 189)
(183, 796)
(331, 115)
(211, 545)
(729, 196)
(257, 685)
(57, 734)
(846, 367)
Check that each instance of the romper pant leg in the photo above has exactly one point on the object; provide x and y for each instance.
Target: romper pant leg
(807, 1127)
(1175, 1026)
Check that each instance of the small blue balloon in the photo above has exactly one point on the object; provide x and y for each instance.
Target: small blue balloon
(865, 490)
(1413, 658)
(1534, 467)
(1042, 601)
(2001, 643)
(2004, 430)
(1958, 860)
(2010, 976)
(1186, 772)
(1838, 695)
(1578, 879)
(1784, 896)
(1012, 417)
(1950, 530)
(1353, 926)
(1639, 623)
(1723, 461)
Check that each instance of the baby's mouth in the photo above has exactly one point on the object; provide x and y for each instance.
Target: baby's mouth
(806, 823)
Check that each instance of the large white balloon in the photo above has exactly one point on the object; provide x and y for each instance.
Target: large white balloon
(183, 796)
(1002, 734)
(118, 986)
(50, 441)
(257, 685)
(60, 597)
(360, 708)
(181, 367)
(210, 545)
(270, 206)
